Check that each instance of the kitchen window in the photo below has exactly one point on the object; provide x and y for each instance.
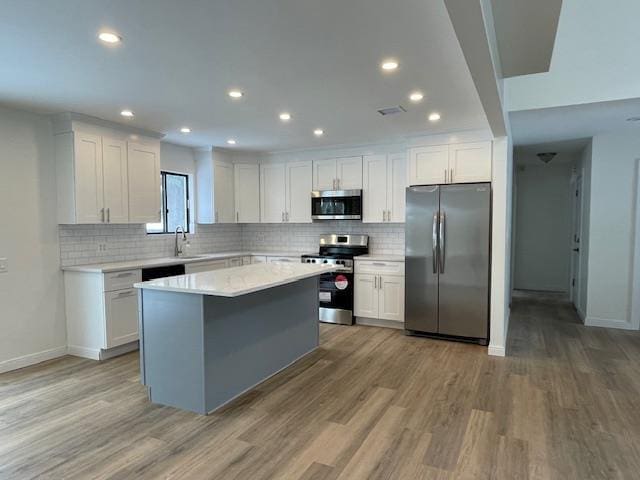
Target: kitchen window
(175, 204)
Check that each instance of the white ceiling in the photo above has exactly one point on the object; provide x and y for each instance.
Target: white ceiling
(576, 121)
(317, 59)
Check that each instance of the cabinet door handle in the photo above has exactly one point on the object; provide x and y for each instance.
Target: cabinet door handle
(388, 215)
(102, 215)
(380, 282)
(375, 282)
(283, 216)
(451, 176)
(237, 217)
(287, 216)
(108, 215)
(215, 218)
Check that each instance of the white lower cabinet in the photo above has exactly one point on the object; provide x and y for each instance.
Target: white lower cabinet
(379, 293)
(102, 312)
(206, 266)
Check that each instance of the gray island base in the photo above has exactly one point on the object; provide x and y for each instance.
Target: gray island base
(199, 351)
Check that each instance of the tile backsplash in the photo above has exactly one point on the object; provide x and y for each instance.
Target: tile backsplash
(82, 244)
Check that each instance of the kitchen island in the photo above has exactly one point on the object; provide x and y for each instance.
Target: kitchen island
(205, 338)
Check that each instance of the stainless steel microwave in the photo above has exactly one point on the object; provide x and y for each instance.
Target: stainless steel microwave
(336, 205)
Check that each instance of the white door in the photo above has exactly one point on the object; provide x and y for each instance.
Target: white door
(224, 208)
(247, 193)
(391, 298)
(88, 178)
(121, 309)
(324, 174)
(349, 173)
(298, 192)
(272, 193)
(365, 295)
(428, 165)
(575, 243)
(116, 185)
(205, 266)
(396, 187)
(374, 189)
(143, 166)
(470, 162)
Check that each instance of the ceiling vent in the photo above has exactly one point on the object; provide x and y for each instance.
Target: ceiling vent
(391, 110)
(546, 157)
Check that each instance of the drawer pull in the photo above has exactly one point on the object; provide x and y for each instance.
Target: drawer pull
(125, 274)
(378, 264)
(126, 293)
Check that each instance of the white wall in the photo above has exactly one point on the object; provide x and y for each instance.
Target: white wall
(613, 190)
(543, 222)
(594, 58)
(32, 319)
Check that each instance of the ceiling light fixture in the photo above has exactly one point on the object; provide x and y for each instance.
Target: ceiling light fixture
(231, 141)
(185, 130)
(633, 119)
(389, 65)
(126, 113)
(235, 93)
(434, 117)
(109, 37)
(416, 96)
(285, 116)
(318, 132)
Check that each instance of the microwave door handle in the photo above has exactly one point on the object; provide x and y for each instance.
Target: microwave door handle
(434, 241)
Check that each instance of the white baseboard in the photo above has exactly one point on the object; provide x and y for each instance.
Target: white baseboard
(497, 350)
(608, 323)
(31, 359)
(377, 322)
(119, 350)
(84, 352)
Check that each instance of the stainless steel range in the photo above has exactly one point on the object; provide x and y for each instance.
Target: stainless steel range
(336, 288)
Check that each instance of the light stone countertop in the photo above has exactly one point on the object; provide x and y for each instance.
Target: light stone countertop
(236, 281)
(164, 261)
(381, 257)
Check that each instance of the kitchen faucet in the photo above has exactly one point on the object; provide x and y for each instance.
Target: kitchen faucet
(178, 249)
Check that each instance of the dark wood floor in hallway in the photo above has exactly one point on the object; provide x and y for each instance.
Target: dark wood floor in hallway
(370, 403)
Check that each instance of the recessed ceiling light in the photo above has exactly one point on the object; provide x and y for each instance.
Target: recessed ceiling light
(185, 130)
(285, 116)
(416, 96)
(318, 132)
(235, 93)
(231, 141)
(389, 65)
(109, 37)
(434, 117)
(126, 113)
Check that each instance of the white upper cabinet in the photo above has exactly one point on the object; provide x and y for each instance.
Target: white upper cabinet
(298, 192)
(272, 193)
(215, 200)
(374, 188)
(144, 182)
(470, 162)
(337, 174)
(456, 163)
(383, 188)
(224, 201)
(116, 183)
(247, 192)
(89, 186)
(428, 165)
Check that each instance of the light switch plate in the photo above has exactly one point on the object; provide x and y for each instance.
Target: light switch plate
(4, 265)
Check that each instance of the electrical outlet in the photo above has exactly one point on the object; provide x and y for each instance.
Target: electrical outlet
(4, 265)
(102, 247)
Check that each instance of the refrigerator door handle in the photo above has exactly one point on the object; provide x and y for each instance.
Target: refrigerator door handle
(442, 239)
(434, 240)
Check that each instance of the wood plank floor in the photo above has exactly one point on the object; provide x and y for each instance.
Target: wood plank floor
(370, 403)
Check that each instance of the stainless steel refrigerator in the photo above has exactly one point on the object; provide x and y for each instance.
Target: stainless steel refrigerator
(447, 260)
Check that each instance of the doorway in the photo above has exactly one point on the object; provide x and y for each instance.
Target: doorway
(574, 286)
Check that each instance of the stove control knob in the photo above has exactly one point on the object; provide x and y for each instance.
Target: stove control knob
(325, 261)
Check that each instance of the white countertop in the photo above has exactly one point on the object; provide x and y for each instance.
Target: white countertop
(381, 257)
(236, 281)
(164, 261)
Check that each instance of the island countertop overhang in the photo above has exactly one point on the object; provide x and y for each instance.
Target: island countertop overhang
(237, 281)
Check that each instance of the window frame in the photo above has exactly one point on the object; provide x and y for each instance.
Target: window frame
(163, 208)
